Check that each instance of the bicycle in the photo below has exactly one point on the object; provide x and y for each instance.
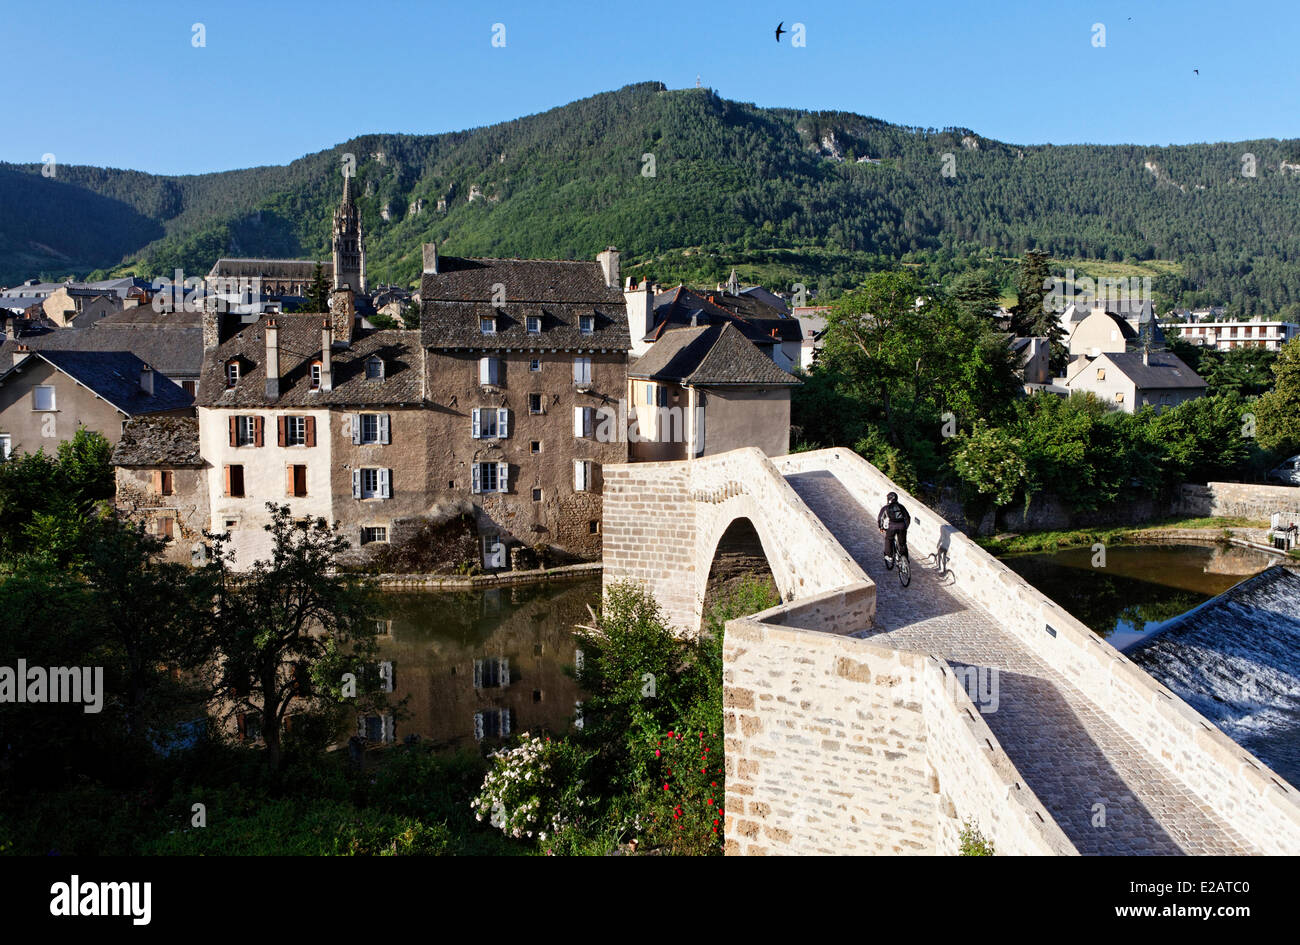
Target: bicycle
(904, 563)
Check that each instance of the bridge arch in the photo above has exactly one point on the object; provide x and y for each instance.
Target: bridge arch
(739, 553)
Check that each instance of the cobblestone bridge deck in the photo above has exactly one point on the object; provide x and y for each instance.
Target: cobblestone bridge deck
(1069, 752)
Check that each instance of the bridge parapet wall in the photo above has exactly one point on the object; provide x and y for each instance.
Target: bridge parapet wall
(838, 746)
(1239, 787)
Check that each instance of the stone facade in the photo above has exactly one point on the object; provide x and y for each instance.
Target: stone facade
(1240, 499)
(175, 507)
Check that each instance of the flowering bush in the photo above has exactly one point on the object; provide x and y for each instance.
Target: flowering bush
(532, 790)
(685, 809)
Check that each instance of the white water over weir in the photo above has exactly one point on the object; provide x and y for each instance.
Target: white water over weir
(1236, 660)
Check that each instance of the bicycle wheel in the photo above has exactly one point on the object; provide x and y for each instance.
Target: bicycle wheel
(904, 571)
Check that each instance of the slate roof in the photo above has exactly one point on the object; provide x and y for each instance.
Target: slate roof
(114, 376)
(678, 306)
(709, 356)
(454, 299)
(295, 269)
(1164, 371)
(159, 441)
(527, 281)
(300, 344)
(171, 343)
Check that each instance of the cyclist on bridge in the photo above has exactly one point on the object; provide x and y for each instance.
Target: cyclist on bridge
(892, 522)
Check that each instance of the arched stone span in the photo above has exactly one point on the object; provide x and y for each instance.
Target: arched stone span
(714, 523)
(738, 556)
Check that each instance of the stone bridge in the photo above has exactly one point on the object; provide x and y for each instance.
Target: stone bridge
(864, 717)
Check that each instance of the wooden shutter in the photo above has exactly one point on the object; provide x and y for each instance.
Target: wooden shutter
(476, 424)
(503, 422)
(355, 420)
(384, 428)
(385, 483)
(311, 431)
(579, 476)
(484, 372)
(577, 421)
(281, 422)
(503, 477)
(478, 725)
(227, 472)
(288, 481)
(156, 477)
(477, 477)
(257, 431)
(234, 431)
(356, 483)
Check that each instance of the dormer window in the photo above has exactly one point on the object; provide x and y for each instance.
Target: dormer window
(487, 325)
(587, 324)
(374, 368)
(534, 324)
(316, 369)
(232, 373)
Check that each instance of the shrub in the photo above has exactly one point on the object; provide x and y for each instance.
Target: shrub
(533, 789)
(973, 842)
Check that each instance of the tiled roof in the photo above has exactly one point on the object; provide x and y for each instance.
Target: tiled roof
(299, 342)
(270, 268)
(709, 356)
(457, 325)
(170, 343)
(159, 441)
(680, 305)
(1164, 370)
(115, 376)
(526, 281)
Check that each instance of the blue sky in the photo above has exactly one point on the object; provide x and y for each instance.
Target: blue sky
(120, 84)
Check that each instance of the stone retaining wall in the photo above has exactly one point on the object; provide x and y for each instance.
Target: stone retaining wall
(1240, 500)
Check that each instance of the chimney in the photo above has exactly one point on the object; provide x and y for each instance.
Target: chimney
(343, 314)
(609, 266)
(272, 360)
(1146, 356)
(326, 350)
(430, 251)
(20, 354)
(211, 327)
(146, 380)
(11, 328)
(640, 301)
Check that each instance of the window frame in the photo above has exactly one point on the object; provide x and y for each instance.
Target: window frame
(587, 324)
(535, 365)
(378, 533)
(533, 324)
(233, 373)
(54, 398)
(583, 372)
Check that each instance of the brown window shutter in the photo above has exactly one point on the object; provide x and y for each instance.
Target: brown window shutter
(311, 431)
(234, 426)
(257, 431)
(227, 470)
(280, 425)
(288, 480)
(156, 476)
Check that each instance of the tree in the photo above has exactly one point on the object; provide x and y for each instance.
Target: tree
(291, 627)
(318, 293)
(1277, 412)
(1028, 314)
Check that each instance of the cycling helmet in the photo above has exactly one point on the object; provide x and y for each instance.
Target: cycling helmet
(892, 497)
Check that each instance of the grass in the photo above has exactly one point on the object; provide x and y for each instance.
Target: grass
(1072, 538)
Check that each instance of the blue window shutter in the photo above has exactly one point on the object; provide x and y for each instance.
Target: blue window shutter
(478, 726)
(505, 721)
(503, 422)
(356, 427)
(505, 672)
(356, 483)
(477, 487)
(383, 428)
(386, 483)
(503, 477)
(476, 424)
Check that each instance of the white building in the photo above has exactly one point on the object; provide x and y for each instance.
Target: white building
(1244, 334)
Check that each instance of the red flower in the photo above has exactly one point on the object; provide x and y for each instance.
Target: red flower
(657, 753)
(713, 784)
(709, 801)
(670, 734)
(665, 787)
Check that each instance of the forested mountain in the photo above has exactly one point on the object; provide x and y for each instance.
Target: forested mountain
(781, 191)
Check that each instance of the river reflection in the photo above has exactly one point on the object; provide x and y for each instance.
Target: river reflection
(1141, 586)
(483, 664)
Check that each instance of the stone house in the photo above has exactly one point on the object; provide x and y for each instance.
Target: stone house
(524, 353)
(72, 307)
(46, 396)
(1132, 380)
(707, 390)
(298, 410)
(162, 481)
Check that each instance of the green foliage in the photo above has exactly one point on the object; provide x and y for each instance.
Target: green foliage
(973, 842)
(991, 462)
(1278, 411)
(318, 293)
(533, 789)
(734, 184)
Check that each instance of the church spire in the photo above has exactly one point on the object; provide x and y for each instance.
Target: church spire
(349, 249)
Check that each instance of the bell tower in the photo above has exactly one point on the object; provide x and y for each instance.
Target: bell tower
(349, 250)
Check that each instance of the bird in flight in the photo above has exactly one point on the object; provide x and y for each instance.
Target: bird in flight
(779, 31)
